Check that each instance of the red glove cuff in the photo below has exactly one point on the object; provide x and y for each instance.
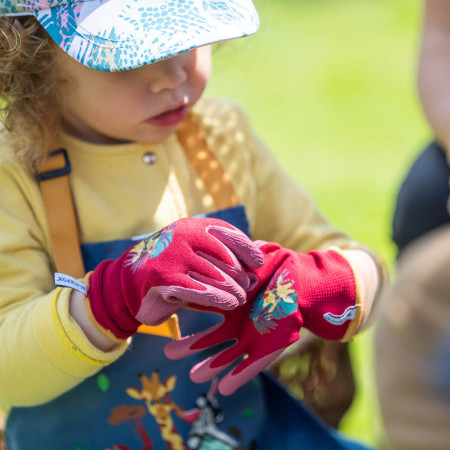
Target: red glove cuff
(333, 306)
(105, 295)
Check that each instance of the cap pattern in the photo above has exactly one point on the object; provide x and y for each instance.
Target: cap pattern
(29, 6)
(115, 35)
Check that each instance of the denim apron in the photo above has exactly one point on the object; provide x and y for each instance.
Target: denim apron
(101, 413)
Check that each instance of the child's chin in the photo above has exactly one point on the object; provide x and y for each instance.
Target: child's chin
(158, 136)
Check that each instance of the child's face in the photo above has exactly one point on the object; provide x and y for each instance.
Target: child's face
(143, 105)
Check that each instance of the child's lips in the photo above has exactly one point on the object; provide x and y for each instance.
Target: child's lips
(170, 118)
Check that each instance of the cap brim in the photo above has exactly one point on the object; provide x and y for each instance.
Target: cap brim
(116, 35)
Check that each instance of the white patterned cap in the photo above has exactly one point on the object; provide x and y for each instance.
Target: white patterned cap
(116, 35)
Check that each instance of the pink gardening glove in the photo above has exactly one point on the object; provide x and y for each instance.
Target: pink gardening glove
(192, 261)
(316, 290)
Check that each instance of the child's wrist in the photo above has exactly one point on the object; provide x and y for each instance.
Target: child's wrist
(94, 332)
(368, 280)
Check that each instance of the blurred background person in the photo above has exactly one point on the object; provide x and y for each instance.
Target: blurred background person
(423, 196)
(412, 348)
(412, 340)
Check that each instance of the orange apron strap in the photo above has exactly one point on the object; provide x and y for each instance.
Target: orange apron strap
(205, 163)
(53, 177)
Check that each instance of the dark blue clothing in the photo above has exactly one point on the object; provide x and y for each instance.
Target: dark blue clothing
(422, 199)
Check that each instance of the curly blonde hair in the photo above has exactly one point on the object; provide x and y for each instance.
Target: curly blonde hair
(28, 81)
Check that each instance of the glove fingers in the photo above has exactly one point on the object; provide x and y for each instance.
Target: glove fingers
(252, 281)
(239, 243)
(235, 272)
(245, 371)
(229, 293)
(211, 297)
(154, 310)
(161, 302)
(212, 366)
(195, 343)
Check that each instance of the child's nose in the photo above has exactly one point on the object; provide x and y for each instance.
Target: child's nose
(167, 74)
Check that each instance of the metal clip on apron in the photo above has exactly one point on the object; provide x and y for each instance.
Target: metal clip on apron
(53, 178)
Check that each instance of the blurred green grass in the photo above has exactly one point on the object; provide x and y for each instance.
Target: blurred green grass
(330, 86)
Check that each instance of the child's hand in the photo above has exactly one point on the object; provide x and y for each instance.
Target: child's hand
(192, 261)
(316, 290)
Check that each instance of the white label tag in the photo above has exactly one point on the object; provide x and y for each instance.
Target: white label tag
(348, 314)
(70, 282)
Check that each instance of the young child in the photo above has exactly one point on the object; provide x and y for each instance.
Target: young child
(117, 91)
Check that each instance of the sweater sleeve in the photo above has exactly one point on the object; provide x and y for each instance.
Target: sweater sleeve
(43, 352)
